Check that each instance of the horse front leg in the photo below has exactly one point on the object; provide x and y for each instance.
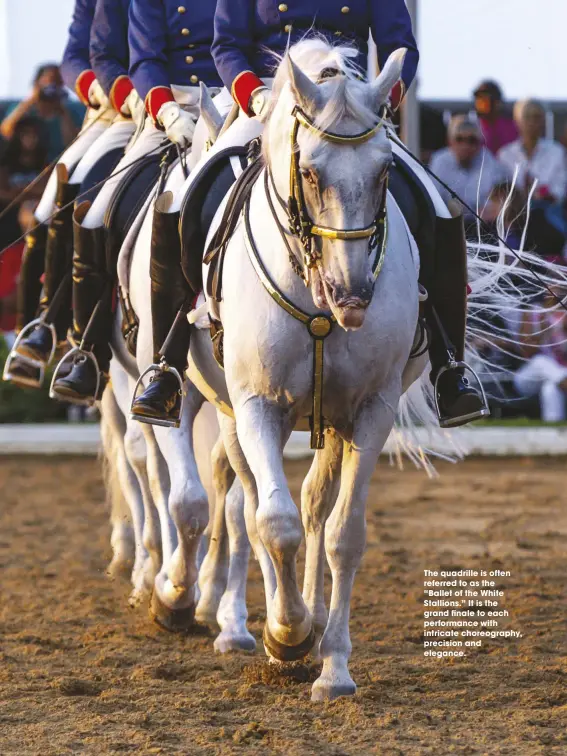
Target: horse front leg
(345, 538)
(288, 632)
(240, 517)
(318, 494)
(173, 600)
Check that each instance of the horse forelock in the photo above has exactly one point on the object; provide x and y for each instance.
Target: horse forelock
(346, 95)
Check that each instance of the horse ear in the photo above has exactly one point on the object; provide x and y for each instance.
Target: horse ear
(209, 111)
(388, 78)
(307, 94)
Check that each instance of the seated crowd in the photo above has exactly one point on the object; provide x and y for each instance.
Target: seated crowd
(490, 159)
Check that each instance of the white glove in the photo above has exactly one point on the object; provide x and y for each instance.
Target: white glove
(260, 101)
(97, 98)
(132, 105)
(179, 125)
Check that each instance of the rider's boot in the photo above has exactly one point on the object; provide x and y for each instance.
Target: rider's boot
(19, 370)
(160, 403)
(458, 401)
(92, 316)
(55, 303)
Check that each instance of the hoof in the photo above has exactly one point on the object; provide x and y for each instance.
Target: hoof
(326, 691)
(172, 620)
(226, 642)
(119, 567)
(285, 653)
(138, 597)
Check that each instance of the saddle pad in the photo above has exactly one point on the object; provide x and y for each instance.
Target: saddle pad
(100, 171)
(200, 206)
(126, 203)
(415, 204)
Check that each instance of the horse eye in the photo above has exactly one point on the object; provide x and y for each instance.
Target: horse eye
(308, 175)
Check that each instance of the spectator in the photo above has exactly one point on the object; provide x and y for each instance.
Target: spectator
(471, 171)
(536, 157)
(497, 128)
(545, 373)
(21, 161)
(48, 102)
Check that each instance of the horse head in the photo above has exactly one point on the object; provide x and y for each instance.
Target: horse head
(326, 132)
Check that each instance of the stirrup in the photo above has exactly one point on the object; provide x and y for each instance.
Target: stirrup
(72, 353)
(7, 374)
(450, 422)
(175, 420)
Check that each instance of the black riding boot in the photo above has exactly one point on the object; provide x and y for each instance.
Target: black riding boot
(445, 279)
(92, 316)
(55, 303)
(171, 296)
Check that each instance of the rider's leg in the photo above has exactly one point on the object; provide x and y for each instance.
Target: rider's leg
(444, 275)
(55, 305)
(91, 284)
(90, 264)
(171, 298)
(39, 344)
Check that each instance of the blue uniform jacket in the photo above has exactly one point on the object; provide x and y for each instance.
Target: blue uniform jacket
(109, 42)
(170, 43)
(76, 56)
(245, 28)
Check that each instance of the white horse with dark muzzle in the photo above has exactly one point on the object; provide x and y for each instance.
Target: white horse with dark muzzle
(361, 301)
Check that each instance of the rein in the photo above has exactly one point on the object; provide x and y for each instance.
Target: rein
(320, 325)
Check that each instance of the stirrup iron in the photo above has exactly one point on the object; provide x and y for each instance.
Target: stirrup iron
(450, 422)
(175, 420)
(14, 355)
(85, 354)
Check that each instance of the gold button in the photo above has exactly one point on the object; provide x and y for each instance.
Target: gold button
(288, 28)
(185, 32)
(345, 9)
(189, 59)
(194, 79)
(282, 8)
(181, 9)
(190, 46)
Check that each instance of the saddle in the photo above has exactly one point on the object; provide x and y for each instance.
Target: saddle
(416, 206)
(200, 206)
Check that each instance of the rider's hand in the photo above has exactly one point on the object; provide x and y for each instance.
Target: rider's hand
(179, 125)
(97, 98)
(260, 101)
(132, 105)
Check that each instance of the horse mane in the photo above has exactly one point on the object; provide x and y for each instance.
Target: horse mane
(347, 92)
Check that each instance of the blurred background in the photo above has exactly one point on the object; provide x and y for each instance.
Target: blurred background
(490, 100)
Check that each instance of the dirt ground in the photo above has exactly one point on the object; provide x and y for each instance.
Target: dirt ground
(80, 672)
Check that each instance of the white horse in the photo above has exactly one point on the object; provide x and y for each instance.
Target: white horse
(269, 353)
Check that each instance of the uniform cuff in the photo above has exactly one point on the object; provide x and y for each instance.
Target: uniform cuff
(243, 87)
(157, 97)
(83, 84)
(120, 91)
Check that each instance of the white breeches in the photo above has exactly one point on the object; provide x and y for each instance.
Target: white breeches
(147, 142)
(116, 137)
(93, 127)
(543, 375)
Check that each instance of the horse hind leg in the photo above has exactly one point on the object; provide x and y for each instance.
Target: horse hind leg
(123, 541)
(318, 495)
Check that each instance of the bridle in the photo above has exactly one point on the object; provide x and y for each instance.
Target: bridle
(320, 325)
(300, 223)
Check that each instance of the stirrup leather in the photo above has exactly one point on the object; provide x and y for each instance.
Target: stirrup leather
(449, 422)
(175, 420)
(85, 354)
(14, 355)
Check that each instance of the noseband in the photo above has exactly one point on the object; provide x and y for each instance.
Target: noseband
(300, 223)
